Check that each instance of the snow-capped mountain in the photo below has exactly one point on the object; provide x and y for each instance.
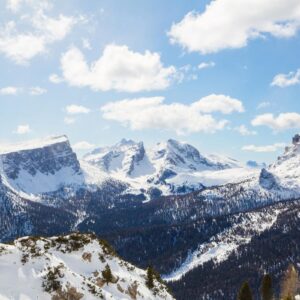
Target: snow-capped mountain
(71, 267)
(45, 166)
(41, 166)
(170, 167)
(286, 168)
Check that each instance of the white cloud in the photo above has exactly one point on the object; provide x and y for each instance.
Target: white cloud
(21, 45)
(14, 5)
(23, 129)
(263, 105)
(285, 80)
(243, 130)
(281, 122)
(118, 68)
(37, 5)
(69, 121)
(86, 44)
(37, 91)
(54, 78)
(153, 113)
(205, 65)
(233, 23)
(13, 90)
(220, 103)
(83, 145)
(74, 109)
(267, 148)
(9, 90)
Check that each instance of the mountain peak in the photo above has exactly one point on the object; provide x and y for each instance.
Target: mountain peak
(125, 142)
(40, 166)
(33, 144)
(296, 139)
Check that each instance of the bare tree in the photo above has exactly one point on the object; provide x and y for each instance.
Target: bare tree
(290, 283)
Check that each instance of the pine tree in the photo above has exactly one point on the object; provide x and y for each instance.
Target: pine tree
(245, 292)
(150, 277)
(266, 290)
(107, 275)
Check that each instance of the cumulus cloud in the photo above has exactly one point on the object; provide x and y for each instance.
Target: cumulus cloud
(285, 80)
(220, 103)
(281, 122)
(267, 148)
(233, 23)
(118, 68)
(83, 145)
(37, 91)
(54, 78)
(205, 65)
(153, 113)
(263, 104)
(13, 91)
(9, 90)
(243, 130)
(16, 5)
(23, 129)
(41, 31)
(74, 109)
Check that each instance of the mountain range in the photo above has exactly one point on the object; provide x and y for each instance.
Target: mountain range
(169, 206)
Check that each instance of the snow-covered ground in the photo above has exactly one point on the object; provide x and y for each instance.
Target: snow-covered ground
(223, 244)
(44, 268)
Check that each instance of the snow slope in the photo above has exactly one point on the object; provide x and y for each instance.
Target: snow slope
(223, 244)
(52, 268)
(286, 168)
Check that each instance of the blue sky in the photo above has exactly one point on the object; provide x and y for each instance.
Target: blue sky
(225, 82)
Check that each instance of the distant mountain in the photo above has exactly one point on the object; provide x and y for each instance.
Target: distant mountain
(255, 164)
(41, 166)
(71, 267)
(36, 169)
(168, 167)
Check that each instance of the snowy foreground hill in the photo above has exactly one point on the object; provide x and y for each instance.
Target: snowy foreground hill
(71, 267)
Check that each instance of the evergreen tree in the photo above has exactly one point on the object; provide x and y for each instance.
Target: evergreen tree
(245, 292)
(150, 277)
(107, 275)
(266, 290)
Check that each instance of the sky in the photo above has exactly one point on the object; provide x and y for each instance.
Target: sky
(211, 73)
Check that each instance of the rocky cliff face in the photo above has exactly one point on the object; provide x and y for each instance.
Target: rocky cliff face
(40, 167)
